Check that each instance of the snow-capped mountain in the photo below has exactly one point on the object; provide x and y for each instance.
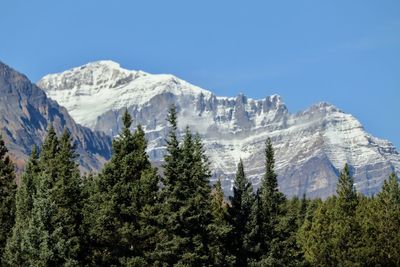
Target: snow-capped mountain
(311, 146)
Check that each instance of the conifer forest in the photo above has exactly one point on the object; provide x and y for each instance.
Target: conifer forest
(131, 214)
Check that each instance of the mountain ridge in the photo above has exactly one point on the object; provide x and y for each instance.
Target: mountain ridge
(25, 114)
(311, 145)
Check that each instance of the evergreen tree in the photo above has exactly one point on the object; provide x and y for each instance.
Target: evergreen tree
(185, 212)
(172, 158)
(333, 238)
(169, 243)
(346, 231)
(66, 196)
(379, 220)
(316, 234)
(118, 199)
(303, 210)
(220, 229)
(239, 211)
(347, 196)
(199, 202)
(37, 239)
(52, 236)
(48, 155)
(8, 189)
(15, 253)
(271, 210)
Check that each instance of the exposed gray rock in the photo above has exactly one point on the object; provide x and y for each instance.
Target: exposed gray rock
(25, 114)
(311, 146)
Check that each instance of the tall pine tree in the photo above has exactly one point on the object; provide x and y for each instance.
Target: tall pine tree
(185, 213)
(113, 212)
(379, 220)
(239, 211)
(66, 195)
(220, 229)
(346, 231)
(52, 236)
(16, 253)
(271, 201)
(169, 242)
(8, 189)
(37, 238)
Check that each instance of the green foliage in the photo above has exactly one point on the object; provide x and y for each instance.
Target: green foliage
(49, 208)
(239, 211)
(185, 211)
(333, 237)
(380, 223)
(16, 252)
(271, 207)
(8, 189)
(127, 216)
(116, 213)
(346, 230)
(316, 234)
(347, 196)
(220, 229)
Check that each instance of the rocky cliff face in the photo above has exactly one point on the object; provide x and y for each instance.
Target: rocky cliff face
(25, 114)
(311, 146)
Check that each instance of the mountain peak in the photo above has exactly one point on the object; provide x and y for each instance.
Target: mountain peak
(103, 85)
(322, 137)
(104, 64)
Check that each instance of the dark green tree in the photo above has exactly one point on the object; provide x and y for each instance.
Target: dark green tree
(15, 253)
(316, 234)
(118, 198)
(239, 213)
(66, 196)
(333, 237)
(347, 196)
(37, 239)
(271, 210)
(379, 220)
(8, 189)
(185, 212)
(169, 241)
(346, 231)
(48, 155)
(52, 236)
(220, 229)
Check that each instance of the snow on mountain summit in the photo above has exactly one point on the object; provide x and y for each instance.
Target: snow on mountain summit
(311, 146)
(94, 88)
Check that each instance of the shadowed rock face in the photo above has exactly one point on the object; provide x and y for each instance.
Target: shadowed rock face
(311, 146)
(25, 114)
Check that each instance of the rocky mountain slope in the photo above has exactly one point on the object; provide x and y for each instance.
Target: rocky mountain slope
(311, 146)
(25, 114)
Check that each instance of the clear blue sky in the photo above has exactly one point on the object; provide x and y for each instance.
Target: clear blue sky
(343, 52)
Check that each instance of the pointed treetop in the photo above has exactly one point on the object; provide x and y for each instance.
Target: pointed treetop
(3, 148)
(270, 179)
(140, 138)
(172, 141)
(66, 147)
(34, 152)
(391, 189)
(172, 117)
(345, 187)
(188, 139)
(347, 196)
(240, 183)
(126, 119)
(50, 146)
(32, 165)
